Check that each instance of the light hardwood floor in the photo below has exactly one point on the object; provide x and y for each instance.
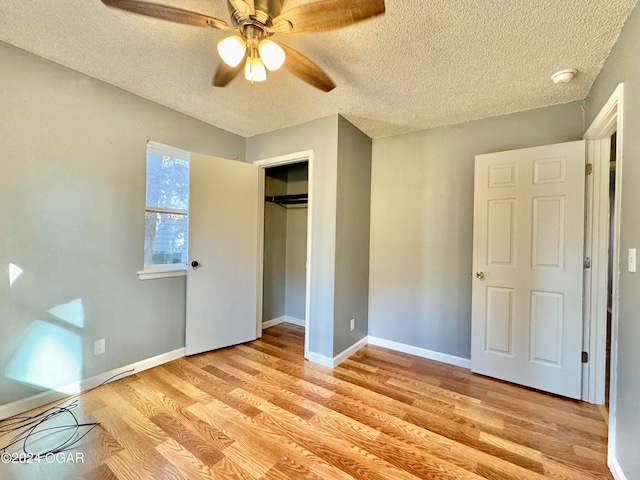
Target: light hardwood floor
(260, 411)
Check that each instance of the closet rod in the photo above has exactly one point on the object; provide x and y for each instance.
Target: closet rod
(288, 199)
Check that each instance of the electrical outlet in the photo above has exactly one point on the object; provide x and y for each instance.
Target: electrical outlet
(632, 260)
(99, 347)
(352, 324)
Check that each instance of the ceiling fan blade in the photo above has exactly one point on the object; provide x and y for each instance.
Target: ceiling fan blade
(225, 73)
(168, 13)
(283, 26)
(324, 15)
(306, 70)
(246, 8)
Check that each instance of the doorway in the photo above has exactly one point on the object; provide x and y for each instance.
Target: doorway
(603, 352)
(610, 260)
(285, 246)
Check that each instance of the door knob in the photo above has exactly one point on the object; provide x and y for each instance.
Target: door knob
(194, 264)
(480, 275)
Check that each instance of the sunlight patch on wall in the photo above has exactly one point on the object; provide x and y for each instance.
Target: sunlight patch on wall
(49, 357)
(14, 272)
(72, 312)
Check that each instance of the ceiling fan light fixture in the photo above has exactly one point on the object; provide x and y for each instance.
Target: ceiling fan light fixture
(272, 54)
(232, 50)
(253, 21)
(254, 70)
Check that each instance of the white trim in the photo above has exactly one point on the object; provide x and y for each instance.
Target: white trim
(346, 353)
(341, 357)
(260, 254)
(40, 399)
(390, 344)
(615, 300)
(320, 359)
(421, 352)
(607, 122)
(285, 159)
(310, 263)
(616, 469)
(273, 322)
(610, 120)
(283, 319)
(173, 152)
(177, 211)
(596, 278)
(294, 321)
(587, 276)
(150, 274)
(297, 157)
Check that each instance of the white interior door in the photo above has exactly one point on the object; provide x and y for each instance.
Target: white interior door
(528, 238)
(223, 240)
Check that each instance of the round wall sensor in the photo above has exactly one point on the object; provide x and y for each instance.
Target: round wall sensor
(564, 76)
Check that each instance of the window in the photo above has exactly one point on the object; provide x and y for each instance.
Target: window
(166, 233)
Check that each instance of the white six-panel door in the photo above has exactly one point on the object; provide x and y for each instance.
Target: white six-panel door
(528, 267)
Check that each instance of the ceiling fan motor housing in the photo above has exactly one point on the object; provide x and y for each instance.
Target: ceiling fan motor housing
(266, 10)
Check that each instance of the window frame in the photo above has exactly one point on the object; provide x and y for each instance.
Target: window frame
(172, 269)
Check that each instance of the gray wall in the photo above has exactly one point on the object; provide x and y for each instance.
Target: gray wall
(320, 136)
(340, 189)
(422, 219)
(275, 247)
(72, 201)
(296, 269)
(623, 66)
(352, 236)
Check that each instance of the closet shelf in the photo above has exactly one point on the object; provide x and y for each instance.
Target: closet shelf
(284, 200)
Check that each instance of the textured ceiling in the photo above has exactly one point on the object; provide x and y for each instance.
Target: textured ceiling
(425, 63)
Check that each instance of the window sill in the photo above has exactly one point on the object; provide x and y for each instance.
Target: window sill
(162, 273)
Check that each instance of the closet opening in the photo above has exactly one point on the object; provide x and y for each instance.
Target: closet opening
(285, 245)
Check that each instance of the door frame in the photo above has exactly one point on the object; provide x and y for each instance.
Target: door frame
(596, 248)
(606, 123)
(296, 157)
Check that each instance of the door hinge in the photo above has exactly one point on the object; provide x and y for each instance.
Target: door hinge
(587, 262)
(589, 169)
(585, 357)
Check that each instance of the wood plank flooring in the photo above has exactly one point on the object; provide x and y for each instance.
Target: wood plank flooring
(259, 411)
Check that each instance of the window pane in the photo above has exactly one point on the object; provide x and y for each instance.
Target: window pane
(167, 181)
(165, 239)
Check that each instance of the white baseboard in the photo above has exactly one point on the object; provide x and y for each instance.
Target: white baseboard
(421, 352)
(616, 469)
(295, 321)
(321, 359)
(341, 357)
(273, 322)
(40, 399)
(284, 319)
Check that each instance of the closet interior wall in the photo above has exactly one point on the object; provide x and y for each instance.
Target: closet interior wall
(285, 246)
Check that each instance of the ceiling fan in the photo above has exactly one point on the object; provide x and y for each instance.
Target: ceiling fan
(256, 21)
